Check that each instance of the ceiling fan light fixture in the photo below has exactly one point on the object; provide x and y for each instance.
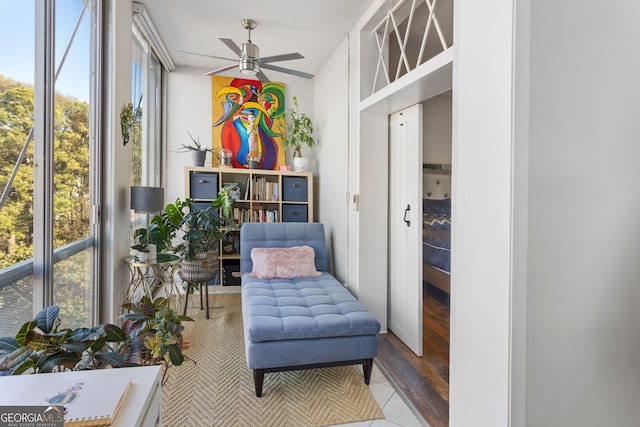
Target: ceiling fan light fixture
(248, 66)
(250, 51)
(249, 72)
(249, 60)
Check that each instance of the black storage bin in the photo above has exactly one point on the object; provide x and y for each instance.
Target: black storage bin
(294, 213)
(231, 273)
(203, 185)
(294, 189)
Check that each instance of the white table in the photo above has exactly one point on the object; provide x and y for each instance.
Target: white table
(142, 406)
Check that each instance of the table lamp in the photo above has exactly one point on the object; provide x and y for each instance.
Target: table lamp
(147, 200)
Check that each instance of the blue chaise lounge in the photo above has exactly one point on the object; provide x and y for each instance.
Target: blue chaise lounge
(300, 323)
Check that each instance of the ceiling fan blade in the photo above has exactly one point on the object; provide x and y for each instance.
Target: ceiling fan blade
(208, 56)
(219, 70)
(231, 45)
(276, 58)
(262, 77)
(287, 71)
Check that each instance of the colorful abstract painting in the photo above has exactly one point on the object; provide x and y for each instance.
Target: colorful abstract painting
(248, 120)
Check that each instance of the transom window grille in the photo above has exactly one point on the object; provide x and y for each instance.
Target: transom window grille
(404, 37)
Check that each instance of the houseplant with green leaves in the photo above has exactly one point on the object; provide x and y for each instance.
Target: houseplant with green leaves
(299, 132)
(152, 335)
(197, 150)
(194, 233)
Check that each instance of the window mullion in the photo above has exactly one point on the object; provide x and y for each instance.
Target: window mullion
(44, 99)
(96, 148)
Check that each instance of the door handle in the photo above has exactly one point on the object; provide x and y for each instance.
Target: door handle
(406, 211)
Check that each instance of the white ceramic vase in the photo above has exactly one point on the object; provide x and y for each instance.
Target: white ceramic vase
(300, 164)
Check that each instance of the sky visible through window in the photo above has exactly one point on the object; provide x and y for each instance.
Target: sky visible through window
(17, 23)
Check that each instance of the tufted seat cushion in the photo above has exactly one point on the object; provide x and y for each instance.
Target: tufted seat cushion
(302, 308)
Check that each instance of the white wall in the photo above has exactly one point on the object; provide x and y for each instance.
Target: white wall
(436, 117)
(189, 109)
(331, 127)
(116, 172)
(481, 211)
(583, 319)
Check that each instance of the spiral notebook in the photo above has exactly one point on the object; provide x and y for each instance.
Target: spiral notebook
(92, 402)
(87, 400)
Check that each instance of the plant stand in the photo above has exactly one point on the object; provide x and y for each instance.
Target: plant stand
(199, 272)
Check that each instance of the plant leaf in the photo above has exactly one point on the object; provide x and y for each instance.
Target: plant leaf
(46, 318)
(84, 334)
(38, 342)
(8, 345)
(109, 358)
(175, 354)
(74, 347)
(131, 307)
(161, 301)
(174, 328)
(98, 344)
(47, 363)
(23, 367)
(114, 333)
(21, 336)
(136, 317)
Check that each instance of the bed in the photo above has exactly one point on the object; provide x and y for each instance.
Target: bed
(436, 229)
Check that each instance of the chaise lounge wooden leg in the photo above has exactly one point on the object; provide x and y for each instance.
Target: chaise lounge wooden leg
(366, 368)
(258, 380)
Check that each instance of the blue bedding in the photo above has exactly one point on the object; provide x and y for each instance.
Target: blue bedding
(436, 233)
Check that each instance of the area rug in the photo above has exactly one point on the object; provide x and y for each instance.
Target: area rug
(216, 389)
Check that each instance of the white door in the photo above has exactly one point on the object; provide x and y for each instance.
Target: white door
(405, 227)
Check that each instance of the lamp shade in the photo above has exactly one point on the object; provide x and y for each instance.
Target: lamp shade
(147, 199)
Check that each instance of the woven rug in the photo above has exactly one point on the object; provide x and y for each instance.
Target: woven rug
(217, 390)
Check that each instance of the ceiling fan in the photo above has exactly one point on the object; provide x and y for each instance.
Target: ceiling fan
(249, 61)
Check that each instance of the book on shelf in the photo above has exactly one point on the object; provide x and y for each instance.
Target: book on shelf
(87, 400)
(246, 190)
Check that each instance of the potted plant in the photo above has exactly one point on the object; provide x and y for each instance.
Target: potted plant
(142, 245)
(152, 335)
(198, 151)
(199, 232)
(299, 132)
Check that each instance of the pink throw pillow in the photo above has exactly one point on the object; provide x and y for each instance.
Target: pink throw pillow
(283, 263)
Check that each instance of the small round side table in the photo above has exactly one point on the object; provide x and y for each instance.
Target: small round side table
(149, 275)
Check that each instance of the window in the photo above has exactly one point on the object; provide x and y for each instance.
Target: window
(146, 76)
(48, 118)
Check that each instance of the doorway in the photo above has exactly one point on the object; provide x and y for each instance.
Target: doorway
(405, 221)
(423, 376)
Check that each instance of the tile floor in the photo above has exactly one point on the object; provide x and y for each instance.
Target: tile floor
(395, 410)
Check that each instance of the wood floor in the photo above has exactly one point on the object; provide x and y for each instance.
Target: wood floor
(424, 380)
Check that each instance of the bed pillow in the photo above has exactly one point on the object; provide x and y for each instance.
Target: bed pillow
(283, 263)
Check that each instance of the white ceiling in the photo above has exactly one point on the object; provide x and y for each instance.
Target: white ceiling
(313, 28)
